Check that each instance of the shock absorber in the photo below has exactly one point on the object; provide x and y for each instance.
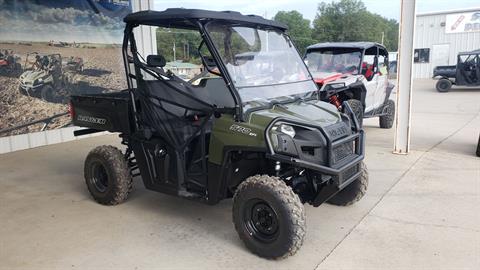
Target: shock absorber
(335, 101)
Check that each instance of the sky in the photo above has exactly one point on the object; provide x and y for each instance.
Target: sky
(61, 20)
(268, 8)
(77, 20)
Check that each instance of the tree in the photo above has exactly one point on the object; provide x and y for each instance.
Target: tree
(298, 28)
(349, 20)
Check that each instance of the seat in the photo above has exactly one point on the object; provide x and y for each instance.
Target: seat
(214, 91)
(367, 71)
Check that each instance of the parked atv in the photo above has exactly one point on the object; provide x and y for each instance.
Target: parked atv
(355, 72)
(10, 63)
(465, 73)
(43, 76)
(257, 133)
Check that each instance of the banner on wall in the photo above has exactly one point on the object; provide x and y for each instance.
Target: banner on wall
(50, 50)
(462, 22)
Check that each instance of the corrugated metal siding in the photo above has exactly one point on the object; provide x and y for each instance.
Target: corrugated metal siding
(429, 32)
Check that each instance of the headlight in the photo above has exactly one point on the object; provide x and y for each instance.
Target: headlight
(281, 136)
(287, 129)
(297, 140)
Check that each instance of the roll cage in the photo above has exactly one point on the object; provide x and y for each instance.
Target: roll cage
(468, 68)
(189, 19)
(366, 48)
(53, 59)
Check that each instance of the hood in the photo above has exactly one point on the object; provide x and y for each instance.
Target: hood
(32, 75)
(324, 77)
(311, 112)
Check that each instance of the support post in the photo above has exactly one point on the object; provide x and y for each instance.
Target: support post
(404, 78)
(145, 35)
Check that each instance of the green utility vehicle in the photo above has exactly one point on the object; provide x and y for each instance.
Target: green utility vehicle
(43, 76)
(253, 130)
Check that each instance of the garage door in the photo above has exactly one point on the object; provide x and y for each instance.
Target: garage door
(440, 55)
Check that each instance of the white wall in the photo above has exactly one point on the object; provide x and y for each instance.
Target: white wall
(429, 32)
(41, 138)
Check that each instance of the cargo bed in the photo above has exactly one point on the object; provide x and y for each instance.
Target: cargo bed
(103, 112)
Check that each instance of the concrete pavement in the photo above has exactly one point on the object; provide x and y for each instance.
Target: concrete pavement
(421, 210)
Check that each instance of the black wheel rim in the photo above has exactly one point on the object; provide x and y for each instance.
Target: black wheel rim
(444, 85)
(99, 177)
(261, 221)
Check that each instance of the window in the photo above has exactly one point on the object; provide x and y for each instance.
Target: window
(338, 60)
(179, 47)
(421, 55)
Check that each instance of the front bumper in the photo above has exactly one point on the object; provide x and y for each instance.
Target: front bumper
(343, 172)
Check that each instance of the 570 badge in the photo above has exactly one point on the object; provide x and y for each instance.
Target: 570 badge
(243, 130)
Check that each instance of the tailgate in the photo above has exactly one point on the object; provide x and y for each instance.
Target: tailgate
(110, 111)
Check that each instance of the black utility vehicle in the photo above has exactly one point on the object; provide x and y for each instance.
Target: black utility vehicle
(253, 129)
(465, 73)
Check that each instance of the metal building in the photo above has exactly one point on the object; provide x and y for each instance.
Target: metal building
(441, 35)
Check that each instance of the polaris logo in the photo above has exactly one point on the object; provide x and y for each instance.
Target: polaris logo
(338, 132)
(91, 119)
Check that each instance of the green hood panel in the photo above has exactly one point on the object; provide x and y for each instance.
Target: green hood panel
(227, 133)
(312, 112)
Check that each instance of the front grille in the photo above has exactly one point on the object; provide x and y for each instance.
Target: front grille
(350, 172)
(346, 175)
(342, 151)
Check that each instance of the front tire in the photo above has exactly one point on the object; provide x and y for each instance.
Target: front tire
(353, 192)
(107, 175)
(443, 85)
(386, 120)
(46, 93)
(269, 217)
(23, 91)
(357, 109)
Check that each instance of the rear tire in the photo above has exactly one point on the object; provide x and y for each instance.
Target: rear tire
(269, 217)
(18, 68)
(443, 85)
(357, 109)
(386, 121)
(107, 175)
(353, 192)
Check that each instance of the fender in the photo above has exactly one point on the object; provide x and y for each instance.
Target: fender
(359, 91)
(390, 88)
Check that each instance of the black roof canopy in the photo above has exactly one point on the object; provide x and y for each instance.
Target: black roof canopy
(346, 45)
(471, 52)
(186, 18)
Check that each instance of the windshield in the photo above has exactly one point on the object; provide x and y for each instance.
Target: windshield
(332, 61)
(263, 64)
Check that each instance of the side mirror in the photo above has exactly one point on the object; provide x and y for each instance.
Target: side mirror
(209, 62)
(156, 61)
